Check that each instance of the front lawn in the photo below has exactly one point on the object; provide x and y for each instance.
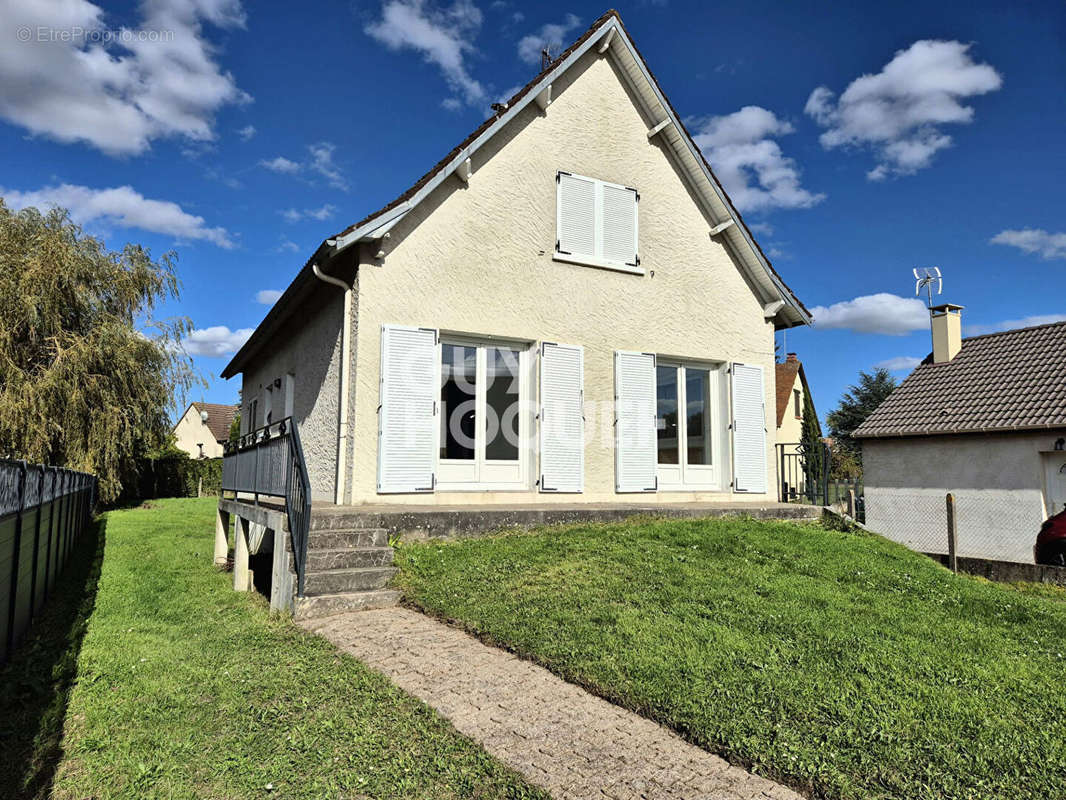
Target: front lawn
(838, 662)
(183, 688)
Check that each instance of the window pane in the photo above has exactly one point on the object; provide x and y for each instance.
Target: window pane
(458, 391)
(666, 414)
(698, 401)
(501, 404)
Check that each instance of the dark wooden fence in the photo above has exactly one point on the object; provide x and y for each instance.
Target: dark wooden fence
(43, 512)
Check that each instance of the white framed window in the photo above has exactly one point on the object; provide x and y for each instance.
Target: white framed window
(596, 223)
(483, 430)
(687, 425)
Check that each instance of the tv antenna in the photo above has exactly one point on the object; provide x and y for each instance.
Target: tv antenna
(925, 279)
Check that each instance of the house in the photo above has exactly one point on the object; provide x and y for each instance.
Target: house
(792, 394)
(983, 418)
(566, 308)
(204, 428)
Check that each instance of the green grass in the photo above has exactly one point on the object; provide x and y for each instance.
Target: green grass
(838, 662)
(182, 688)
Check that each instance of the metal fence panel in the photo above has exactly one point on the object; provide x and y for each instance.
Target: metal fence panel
(43, 511)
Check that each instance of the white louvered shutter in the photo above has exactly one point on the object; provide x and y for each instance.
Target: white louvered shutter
(749, 429)
(620, 224)
(407, 418)
(562, 423)
(635, 441)
(576, 211)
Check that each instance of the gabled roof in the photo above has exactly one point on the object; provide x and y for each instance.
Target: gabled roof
(609, 35)
(219, 418)
(785, 379)
(1010, 381)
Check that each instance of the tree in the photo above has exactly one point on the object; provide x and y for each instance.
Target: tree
(811, 440)
(855, 406)
(235, 429)
(86, 374)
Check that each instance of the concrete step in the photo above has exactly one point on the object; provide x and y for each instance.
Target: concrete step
(348, 558)
(325, 605)
(336, 581)
(344, 539)
(343, 521)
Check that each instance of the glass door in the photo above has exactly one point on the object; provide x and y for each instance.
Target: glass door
(686, 419)
(483, 433)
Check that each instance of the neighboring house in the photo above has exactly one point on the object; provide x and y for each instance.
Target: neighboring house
(792, 394)
(204, 428)
(524, 323)
(983, 418)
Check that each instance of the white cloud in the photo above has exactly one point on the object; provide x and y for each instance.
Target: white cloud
(1034, 240)
(267, 296)
(750, 164)
(116, 89)
(280, 164)
(247, 132)
(529, 46)
(899, 111)
(762, 228)
(899, 364)
(288, 246)
(874, 313)
(121, 207)
(1013, 324)
(322, 163)
(296, 214)
(444, 37)
(215, 341)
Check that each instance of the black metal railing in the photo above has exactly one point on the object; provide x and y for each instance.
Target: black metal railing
(269, 462)
(43, 513)
(802, 478)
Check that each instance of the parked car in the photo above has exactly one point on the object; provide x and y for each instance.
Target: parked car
(1050, 547)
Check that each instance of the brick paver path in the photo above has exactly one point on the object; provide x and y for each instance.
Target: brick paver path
(557, 735)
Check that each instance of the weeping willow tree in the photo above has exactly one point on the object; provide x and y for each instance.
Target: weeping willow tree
(87, 376)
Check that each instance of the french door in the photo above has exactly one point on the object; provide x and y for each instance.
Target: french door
(484, 434)
(686, 420)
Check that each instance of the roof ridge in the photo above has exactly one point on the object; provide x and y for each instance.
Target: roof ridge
(1015, 330)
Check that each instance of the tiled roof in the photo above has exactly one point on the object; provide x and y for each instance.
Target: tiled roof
(1015, 380)
(219, 418)
(786, 379)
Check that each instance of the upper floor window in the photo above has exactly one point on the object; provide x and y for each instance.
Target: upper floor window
(596, 222)
(796, 407)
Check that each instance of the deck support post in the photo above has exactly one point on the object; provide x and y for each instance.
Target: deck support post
(242, 576)
(283, 576)
(222, 521)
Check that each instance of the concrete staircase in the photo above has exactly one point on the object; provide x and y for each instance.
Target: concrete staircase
(347, 570)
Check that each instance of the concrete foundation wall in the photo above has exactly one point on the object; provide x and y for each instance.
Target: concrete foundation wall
(998, 481)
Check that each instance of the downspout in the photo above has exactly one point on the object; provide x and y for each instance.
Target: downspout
(342, 427)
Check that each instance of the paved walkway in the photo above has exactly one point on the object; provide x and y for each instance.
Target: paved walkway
(557, 735)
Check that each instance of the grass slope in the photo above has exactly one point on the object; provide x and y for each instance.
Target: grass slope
(839, 662)
(187, 689)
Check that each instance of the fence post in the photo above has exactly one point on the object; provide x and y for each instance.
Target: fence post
(851, 503)
(36, 542)
(953, 562)
(16, 544)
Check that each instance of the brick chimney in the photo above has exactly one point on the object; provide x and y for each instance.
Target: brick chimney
(791, 357)
(946, 322)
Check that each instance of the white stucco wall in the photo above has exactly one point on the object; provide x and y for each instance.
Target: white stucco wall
(191, 431)
(309, 347)
(477, 259)
(998, 481)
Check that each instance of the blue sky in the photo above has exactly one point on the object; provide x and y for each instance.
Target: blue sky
(241, 136)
